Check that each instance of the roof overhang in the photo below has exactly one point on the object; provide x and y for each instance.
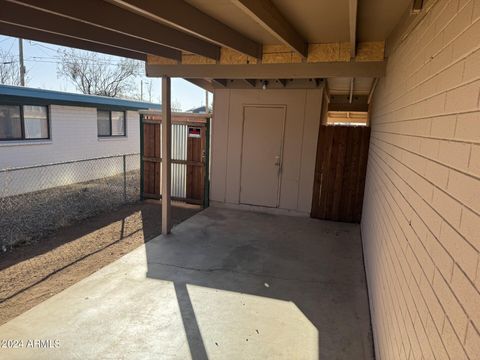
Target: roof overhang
(31, 96)
(201, 40)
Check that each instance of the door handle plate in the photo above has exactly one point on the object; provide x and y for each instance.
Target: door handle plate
(277, 161)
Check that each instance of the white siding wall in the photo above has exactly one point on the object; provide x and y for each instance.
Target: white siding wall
(73, 137)
(421, 218)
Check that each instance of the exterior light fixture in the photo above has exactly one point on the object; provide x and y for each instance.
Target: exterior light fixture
(417, 6)
(264, 84)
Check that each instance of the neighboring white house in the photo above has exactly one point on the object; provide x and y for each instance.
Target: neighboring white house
(39, 127)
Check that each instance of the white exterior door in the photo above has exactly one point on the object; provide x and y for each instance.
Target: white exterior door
(262, 145)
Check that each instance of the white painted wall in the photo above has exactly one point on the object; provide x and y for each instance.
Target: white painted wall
(300, 144)
(74, 136)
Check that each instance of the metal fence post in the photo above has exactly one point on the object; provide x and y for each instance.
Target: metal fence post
(125, 178)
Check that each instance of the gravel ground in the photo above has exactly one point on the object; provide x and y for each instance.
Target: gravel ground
(34, 271)
(32, 216)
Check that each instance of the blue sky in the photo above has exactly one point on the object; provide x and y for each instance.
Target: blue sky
(41, 63)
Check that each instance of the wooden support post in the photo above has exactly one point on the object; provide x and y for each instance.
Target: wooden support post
(166, 155)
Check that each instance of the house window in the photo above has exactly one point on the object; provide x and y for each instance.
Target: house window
(111, 123)
(23, 122)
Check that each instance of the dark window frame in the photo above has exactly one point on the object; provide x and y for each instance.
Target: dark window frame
(22, 124)
(110, 122)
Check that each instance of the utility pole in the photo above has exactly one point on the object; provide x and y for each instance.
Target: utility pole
(206, 101)
(22, 65)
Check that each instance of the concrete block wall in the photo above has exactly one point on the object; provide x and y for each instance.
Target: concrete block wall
(421, 217)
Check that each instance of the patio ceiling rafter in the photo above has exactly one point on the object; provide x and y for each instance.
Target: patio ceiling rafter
(204, 84)
(121, 21)
(352, 16)
(36, 35)
(183, 16)
(15, 14)
(270, 18)
(221, 82)
(251, 82)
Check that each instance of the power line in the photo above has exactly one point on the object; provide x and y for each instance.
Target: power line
(11, 46)
(106, 61)
(32, 43)
(61, 61)
(75, 55)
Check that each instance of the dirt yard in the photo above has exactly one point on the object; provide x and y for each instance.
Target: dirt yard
(34, 272)
(35, 215)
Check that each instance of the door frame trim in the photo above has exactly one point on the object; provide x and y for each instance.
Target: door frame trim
(276, 106)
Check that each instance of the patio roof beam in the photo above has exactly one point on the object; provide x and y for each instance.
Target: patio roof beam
(204, 84)
(125, 22)
(269, 17)
(221, 82)
(26, 33)
(372, 90)
(251, 82)
(352, 85)
(185, 17)
(370, 69)
(15, 14)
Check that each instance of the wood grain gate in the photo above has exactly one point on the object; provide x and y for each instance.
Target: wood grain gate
(342, 153)
(189, 157)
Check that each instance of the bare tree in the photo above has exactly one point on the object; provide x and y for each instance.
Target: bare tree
(9, 70)
(176, 106)
(97, 75)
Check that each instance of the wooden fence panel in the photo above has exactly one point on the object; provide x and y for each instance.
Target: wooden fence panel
(195, 161)
(196, 148)
(342, 153)
(151, 160)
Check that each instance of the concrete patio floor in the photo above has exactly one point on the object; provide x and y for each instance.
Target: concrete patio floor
(226, 284)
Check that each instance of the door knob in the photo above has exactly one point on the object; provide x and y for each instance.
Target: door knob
(277, 161)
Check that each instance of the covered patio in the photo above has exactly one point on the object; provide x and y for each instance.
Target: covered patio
(363, 111)
(225, 284)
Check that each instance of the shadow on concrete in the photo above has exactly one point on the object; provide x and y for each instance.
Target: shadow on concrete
(35, 269)
(192, 330)
(295, 278)
(152, 224)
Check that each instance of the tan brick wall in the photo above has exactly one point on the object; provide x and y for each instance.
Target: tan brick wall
(421, 218)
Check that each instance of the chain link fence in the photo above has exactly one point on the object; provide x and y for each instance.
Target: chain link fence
(36, 200)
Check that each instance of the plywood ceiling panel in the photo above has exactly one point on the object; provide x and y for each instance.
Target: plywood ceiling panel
(377, 18)
(341, 86)
(318, 21)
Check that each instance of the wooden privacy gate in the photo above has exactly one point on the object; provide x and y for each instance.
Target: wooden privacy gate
(189, 169)
(342, 153)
